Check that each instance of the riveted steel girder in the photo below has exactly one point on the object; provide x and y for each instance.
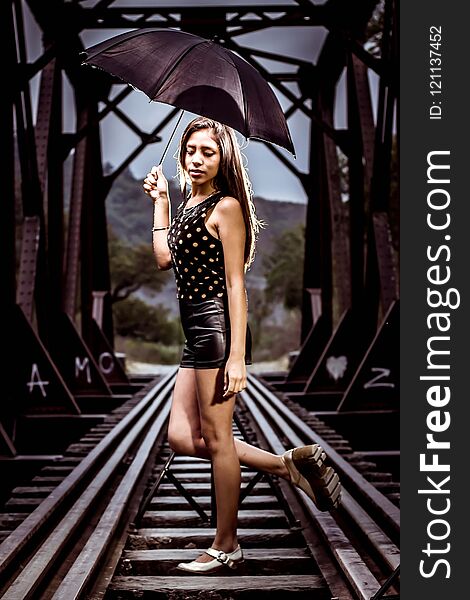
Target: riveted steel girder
(64, 262)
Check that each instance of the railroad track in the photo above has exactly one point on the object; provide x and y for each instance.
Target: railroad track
(129, 511)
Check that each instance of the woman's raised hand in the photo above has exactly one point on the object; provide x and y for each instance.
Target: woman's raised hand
(155, 184)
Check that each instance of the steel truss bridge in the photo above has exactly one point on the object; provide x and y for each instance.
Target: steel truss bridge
(54, 264)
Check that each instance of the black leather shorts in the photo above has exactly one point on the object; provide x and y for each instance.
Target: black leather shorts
(206, 326)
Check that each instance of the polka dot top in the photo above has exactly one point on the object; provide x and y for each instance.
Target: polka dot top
(197, 256)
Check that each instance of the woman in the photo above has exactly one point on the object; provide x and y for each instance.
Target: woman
(210, 244)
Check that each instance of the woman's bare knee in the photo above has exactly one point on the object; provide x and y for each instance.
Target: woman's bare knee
(215, 440)
(178, 444)
(187, 446)
(215, 418)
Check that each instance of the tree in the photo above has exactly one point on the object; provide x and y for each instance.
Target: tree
(258, 311)
(134, 318)
(375, 29)
(284, 268)
(132, 268)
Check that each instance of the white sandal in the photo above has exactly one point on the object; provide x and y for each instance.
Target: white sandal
(221, 559)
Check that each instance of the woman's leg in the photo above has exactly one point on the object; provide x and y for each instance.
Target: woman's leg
(185, 436)
(184, 427)
(216, 428)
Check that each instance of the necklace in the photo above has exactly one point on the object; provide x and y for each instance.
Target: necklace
(198, 203)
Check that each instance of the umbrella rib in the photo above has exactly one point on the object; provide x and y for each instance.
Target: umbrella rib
(127, 36)
(245, 108)
(177, 62)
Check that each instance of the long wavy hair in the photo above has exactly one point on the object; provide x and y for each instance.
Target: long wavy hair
(231, 179)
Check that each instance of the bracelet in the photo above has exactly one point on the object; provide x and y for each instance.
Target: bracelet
(159, 228)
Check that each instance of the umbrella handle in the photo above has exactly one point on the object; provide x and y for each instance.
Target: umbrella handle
(171, 138)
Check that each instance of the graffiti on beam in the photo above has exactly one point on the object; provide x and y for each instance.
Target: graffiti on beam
(82, 366)
(377, 380)
(36, 381)
(336, 366)
(106, 363)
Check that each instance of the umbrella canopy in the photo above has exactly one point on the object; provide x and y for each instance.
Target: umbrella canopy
(197, 75)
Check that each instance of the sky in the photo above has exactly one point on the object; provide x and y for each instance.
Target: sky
(269, 177)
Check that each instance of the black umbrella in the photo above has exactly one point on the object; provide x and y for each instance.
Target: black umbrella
(195, 74)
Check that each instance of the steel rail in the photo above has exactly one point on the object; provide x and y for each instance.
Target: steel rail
(86, 564)
(82, 487)
(138, 434)
(349, 561)
(357, 484)
(282, 422)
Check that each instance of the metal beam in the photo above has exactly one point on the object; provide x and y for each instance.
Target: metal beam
(7, 144)
(43, 147)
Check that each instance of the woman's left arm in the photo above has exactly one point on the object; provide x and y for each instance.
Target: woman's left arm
(232, 233)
